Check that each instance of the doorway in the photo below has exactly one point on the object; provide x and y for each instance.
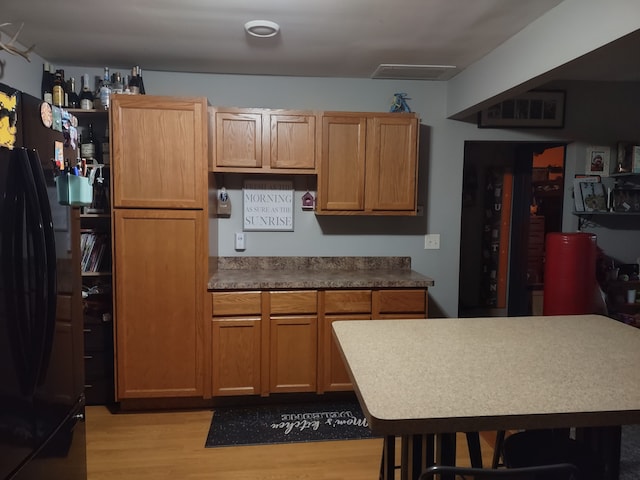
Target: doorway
(512, 197)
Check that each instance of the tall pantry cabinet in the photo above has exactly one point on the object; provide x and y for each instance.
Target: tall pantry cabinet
(159, 185)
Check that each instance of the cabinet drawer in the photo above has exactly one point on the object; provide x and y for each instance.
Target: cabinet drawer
(294, 302)
(98, 365)
(536, 223)
(98, 337)
(99, 392)
(536, 237)
(236, 303)
(402, 301)
(347, 301)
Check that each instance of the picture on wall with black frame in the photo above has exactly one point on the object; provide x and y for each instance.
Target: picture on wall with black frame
(534, 109)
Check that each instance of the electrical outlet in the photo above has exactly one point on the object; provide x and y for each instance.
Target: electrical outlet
(240, 241)
(432, 241)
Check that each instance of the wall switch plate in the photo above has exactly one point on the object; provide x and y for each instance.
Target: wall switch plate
(240, 241)
(432, 241)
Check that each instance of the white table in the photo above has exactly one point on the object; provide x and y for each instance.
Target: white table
(438, 376)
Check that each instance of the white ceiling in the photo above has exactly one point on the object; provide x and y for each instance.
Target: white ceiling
(336, 38)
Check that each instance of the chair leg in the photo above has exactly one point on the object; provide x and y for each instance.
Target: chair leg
(475, 453)
(497, 449)
(388, 460)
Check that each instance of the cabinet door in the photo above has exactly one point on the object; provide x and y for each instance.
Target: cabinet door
(341, 175)
(238, 137)
(236, 356)
(293, 350)
(160, 281)
(159, 151)
(392, 144)
(335, 377)
(337, 305)
(292, 141)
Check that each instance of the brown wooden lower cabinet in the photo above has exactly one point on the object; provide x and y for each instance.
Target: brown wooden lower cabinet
(281, 341)
(236, 336)
(236, 356)
(338, 305)
(293, 349)
(334, 376)
(159, 303)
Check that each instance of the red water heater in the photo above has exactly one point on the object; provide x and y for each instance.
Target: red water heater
(569, 274)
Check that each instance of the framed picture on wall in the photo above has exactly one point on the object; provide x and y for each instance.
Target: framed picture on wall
(597, 161)
(534, 109)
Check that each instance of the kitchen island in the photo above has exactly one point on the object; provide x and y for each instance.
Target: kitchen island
(272, 316)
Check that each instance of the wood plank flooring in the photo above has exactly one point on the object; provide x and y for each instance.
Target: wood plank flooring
(170, 445)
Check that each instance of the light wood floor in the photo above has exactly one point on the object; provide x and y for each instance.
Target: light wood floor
(170, 445)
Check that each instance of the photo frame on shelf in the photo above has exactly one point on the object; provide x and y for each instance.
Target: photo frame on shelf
(624, 157)
(577, 189)
(534, 109)
(594, 196)
(598, 161)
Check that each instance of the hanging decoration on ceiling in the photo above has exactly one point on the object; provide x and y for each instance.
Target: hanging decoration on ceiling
(12, 48)
(400, 103)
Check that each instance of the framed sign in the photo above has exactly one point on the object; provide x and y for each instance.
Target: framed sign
(534, 109)
(267, 205)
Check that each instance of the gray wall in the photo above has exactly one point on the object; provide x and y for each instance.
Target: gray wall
(442, 145)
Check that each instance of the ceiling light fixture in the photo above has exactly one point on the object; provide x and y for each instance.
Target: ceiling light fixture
(262, 28)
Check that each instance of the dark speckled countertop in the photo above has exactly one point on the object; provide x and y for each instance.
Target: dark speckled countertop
(259, 273)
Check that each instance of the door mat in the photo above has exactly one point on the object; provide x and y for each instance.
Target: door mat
(305, 422)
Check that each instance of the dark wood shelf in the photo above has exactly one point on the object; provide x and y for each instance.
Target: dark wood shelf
(607, 214)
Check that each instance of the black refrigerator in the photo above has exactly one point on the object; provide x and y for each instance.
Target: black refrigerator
(42, 429)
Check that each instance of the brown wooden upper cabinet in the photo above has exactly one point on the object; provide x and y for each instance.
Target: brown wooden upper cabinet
(368, 164)
(159, 145)
(257, 140)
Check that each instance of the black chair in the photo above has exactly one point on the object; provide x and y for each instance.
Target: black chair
(561, 471)
(473, 444)
(542, 447)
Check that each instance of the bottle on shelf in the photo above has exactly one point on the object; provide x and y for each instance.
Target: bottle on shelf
(116, 84)
(73, 100)
(104, 92)
(86, 95)
(47, 83)
(141, 82)
(58, 89)
(125, 84)
(134, 82)
(89, 146)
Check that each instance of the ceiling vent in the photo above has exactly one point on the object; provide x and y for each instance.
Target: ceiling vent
(414, 72)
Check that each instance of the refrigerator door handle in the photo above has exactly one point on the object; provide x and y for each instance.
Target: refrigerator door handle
(26, 281)
(49, 267)
(12, 271)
